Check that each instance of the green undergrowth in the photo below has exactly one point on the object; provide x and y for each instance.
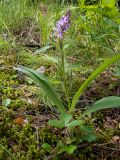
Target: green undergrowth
(29, 140)
(24, 130)
(92, 38)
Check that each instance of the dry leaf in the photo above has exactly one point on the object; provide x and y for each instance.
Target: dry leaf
(42, 69)
(20, 121)
(115, 138)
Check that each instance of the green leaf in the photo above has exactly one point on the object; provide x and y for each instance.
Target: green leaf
(69, 149)
(89, 137)
(62, 122)
(45, 85)
(74, 123)
(108, 3)
(46, 147)
(87, 129)
(43, 49)
(100, 69)
(65, 118)
(88, 133)
(104, 103)
(6, 102)
(56, 123)
(51, 59)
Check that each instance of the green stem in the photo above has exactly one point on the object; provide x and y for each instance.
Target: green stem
(63, 76)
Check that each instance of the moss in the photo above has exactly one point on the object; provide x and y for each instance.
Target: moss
(22, 132)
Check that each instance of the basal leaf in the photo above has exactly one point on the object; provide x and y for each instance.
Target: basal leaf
(74, 123)
(43, 49)
(62, 122)
(65, 118)
(104, 103)
(97, 72)
(56, 123)
(45, 85)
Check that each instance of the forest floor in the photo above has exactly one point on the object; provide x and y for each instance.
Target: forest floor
(24, 131)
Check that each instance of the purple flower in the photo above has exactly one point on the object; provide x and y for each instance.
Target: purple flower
(62, 25)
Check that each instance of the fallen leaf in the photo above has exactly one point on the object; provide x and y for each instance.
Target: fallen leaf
(20, 121)
(42, 69)
(115, 138)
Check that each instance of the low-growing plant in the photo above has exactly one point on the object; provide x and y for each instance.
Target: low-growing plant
(66, 118)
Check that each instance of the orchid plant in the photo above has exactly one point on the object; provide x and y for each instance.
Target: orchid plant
(66, 114)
